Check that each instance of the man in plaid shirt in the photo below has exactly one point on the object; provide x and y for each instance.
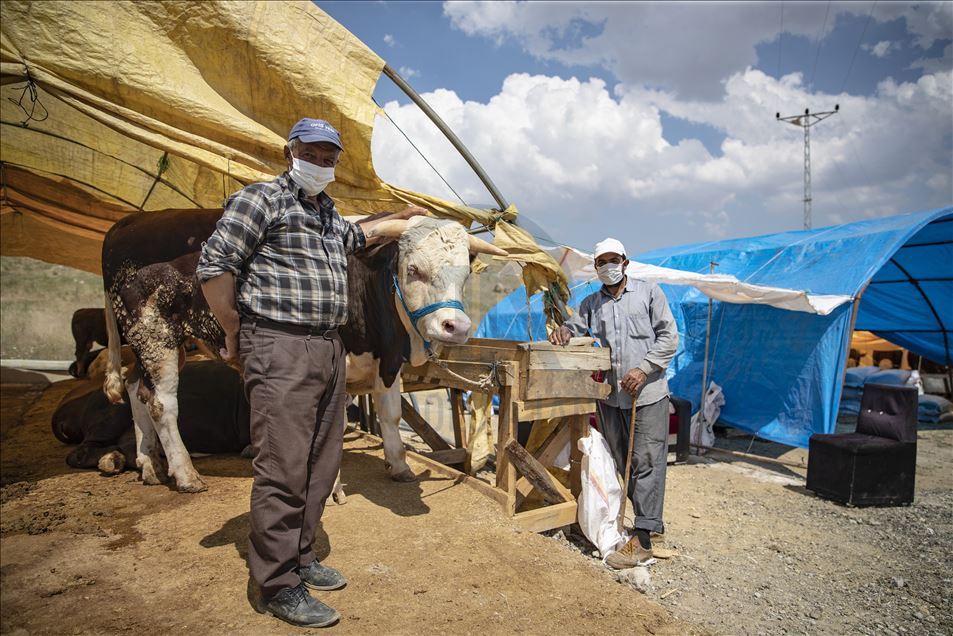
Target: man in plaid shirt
(274, 273)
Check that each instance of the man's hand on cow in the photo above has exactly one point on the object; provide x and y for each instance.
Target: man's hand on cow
(230, 352)
(560, 335)
(409, 212)
(633, 381)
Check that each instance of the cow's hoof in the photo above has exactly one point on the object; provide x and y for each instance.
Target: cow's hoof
(194, 485)
(339, 497)
(150, 477)
(405, 475)
(111, 463)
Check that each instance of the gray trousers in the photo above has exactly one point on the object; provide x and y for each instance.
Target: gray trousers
(649, 457)
(295, 387)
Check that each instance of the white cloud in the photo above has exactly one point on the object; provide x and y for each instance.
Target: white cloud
(581, 161)
(406, 72)
(880, 49)
(635, 40)
(389, 39)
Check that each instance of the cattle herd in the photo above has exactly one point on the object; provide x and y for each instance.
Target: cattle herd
(404, 304)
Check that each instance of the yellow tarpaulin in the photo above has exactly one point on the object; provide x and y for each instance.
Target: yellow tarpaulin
(113, 107)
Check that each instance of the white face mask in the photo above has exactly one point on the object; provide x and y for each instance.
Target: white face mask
(610, 273)
(312, 178)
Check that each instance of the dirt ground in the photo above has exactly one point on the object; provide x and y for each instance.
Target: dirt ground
(85, 554)
(757, 553)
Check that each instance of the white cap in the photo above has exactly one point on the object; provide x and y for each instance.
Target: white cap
(610, 245)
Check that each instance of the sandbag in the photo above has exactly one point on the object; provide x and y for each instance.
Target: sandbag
(601, 496)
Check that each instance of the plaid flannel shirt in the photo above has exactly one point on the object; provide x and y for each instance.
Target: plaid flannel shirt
(289, 259)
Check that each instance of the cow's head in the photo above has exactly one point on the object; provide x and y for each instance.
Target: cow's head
(432, 268)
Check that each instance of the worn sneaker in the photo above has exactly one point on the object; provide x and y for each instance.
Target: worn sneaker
(628, 556)
(321, 577)
(294, 605)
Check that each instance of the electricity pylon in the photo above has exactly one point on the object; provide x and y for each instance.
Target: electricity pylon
(805, 121)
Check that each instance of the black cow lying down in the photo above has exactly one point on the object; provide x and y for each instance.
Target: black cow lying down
(213, 418)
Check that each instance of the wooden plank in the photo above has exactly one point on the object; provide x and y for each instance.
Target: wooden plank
(459, 420)
(472, 371)
(555, 407)
(589, 359)
(421, 427)
(550, 383)
(472, 482)
(579, 428)
(545, 345)
(505, 471)
(413, 386)
(468, 353)
(545, 455)
(449, 457)
(551, 490)
(542, 519)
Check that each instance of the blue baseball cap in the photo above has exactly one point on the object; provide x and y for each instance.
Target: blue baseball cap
(314, 130)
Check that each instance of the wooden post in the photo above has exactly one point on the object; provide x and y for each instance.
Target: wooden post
(372, 417)
(579, 429)
(508, 418)
(460, 425)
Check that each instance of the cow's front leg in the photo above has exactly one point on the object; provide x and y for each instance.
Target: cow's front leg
(147, 447)
(388, 411)
(337, 492)
(164, 408)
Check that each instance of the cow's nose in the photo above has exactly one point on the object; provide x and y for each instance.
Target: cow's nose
(456, 327)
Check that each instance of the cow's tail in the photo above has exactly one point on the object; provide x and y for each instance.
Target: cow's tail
(112, 384)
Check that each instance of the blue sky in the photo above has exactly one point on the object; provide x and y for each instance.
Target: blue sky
(655, 122)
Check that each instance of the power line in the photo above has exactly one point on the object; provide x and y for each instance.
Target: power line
(780, 36)
(432, 167)
(817, 56)
(857, 48)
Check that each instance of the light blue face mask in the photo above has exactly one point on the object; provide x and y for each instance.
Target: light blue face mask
(312, 178)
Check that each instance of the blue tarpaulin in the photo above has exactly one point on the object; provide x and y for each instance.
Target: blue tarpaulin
(781, 370)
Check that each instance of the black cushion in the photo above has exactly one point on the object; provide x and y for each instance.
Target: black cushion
(856, 443)
(888, 411)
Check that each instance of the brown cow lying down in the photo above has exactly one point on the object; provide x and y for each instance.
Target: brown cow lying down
(213, 418)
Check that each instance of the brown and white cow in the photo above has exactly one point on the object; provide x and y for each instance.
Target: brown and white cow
(154, 300)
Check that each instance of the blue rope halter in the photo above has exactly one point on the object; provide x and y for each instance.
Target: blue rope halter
(423, 311)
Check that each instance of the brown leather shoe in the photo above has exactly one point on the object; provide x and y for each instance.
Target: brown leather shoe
(629, 555)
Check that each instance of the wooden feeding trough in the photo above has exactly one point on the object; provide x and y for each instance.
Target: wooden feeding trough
(536, 382)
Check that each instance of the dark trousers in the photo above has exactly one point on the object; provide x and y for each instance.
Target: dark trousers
(295, 387)
(649, 457)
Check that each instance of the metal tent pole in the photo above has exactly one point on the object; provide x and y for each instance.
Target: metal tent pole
(435, 118)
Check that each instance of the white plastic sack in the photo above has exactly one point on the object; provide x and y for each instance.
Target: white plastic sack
(601, 495)
(703, 433)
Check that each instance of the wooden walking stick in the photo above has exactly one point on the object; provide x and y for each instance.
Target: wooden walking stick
(628, 469)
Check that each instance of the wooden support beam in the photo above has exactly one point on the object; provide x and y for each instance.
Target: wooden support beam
(505, 471)
(579, 426)
(484, 488)
(554, 407)
(545, 455)
(542, 519)
(421, 427)
(459, 422)
(373, 422)
(551, 490)
(453, 456)
(460, 427)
